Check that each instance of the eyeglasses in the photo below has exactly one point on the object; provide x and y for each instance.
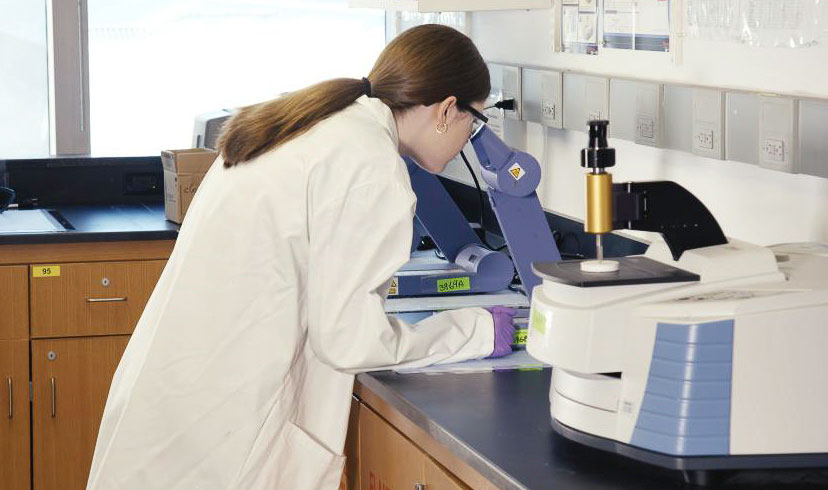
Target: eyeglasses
(478, 121)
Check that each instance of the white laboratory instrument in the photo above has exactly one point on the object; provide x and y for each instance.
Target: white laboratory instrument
(718, 362)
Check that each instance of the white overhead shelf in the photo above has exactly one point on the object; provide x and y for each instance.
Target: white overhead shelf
(451, 5)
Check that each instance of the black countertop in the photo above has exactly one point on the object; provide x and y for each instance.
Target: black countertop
(104, 223)
(499, 424)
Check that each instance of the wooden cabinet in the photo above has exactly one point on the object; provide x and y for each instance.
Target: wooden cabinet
(70, 380)
(14, 302)
(94, 298)
(438, 478)
(350, 475)
(66, 310)
(14, 415)
(388, 460)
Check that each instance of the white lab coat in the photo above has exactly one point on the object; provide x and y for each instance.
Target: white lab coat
(240, 370)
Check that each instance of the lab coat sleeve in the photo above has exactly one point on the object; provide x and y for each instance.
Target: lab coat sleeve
(356, 245)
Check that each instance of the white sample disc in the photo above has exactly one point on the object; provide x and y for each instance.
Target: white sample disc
(599, 266)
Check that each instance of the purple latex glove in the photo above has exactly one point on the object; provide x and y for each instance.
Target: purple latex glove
(504, 330)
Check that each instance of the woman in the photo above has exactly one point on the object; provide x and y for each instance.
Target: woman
(239, 373)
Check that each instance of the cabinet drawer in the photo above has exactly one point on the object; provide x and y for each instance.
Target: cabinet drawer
(14, 302)
(95, 298)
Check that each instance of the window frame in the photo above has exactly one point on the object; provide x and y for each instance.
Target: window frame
(68, 70)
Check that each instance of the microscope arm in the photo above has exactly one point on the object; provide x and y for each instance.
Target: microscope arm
(439, 217)
(512, 177)
(667, 208)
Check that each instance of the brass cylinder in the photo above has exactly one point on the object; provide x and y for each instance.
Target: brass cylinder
(598, 203)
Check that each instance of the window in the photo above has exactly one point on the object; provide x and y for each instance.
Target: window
(24, 90)
(154, 65)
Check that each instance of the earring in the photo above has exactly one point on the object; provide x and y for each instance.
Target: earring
(442, 128)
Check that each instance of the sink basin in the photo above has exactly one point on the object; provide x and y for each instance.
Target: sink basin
(33, 221)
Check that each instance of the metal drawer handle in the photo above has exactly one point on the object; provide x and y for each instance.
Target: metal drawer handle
(54, 410)
(419, 486)
(105, 300)
(11, 404)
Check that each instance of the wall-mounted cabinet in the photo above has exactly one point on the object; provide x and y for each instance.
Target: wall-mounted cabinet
(450, 5)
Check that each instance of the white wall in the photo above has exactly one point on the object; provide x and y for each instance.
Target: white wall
(750, 203)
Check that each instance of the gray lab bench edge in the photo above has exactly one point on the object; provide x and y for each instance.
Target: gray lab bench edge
(498, 423)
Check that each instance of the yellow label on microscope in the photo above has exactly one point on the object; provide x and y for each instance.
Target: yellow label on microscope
(453, 284)
(538, 321)
(521, 335)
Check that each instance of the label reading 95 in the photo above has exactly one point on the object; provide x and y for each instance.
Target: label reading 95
(45, 271)
(453, 284)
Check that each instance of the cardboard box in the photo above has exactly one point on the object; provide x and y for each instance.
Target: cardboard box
(183, 172)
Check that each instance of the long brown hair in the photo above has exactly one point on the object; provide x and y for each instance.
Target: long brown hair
(421, 66)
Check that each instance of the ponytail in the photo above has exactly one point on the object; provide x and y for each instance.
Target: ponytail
(422, 66)
(258, 128)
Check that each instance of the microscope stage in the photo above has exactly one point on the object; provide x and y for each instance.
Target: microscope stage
(631, 270)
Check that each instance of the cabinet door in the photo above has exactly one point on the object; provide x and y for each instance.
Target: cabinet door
(387, 460)
(70, 379)
(15, 465)
(14, 302)
(96, 298)
(437, 478)
(350, 476)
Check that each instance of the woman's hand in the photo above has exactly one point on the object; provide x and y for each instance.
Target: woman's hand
(504, 330)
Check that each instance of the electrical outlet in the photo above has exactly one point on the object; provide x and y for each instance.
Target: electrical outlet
(646, 127)
(549, 111)
(708, 122)
(585, 98)
(495, 116)
(777, 133)
(551, 96)
(541, 97)
(511, 84)
(704, 139)
(649, 102)
(774, 150)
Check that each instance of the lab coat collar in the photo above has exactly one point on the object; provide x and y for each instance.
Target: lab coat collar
(383, 115)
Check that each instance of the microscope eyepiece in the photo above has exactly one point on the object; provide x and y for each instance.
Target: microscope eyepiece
(598, 155)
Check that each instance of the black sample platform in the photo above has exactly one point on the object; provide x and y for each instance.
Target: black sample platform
(631, 271)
